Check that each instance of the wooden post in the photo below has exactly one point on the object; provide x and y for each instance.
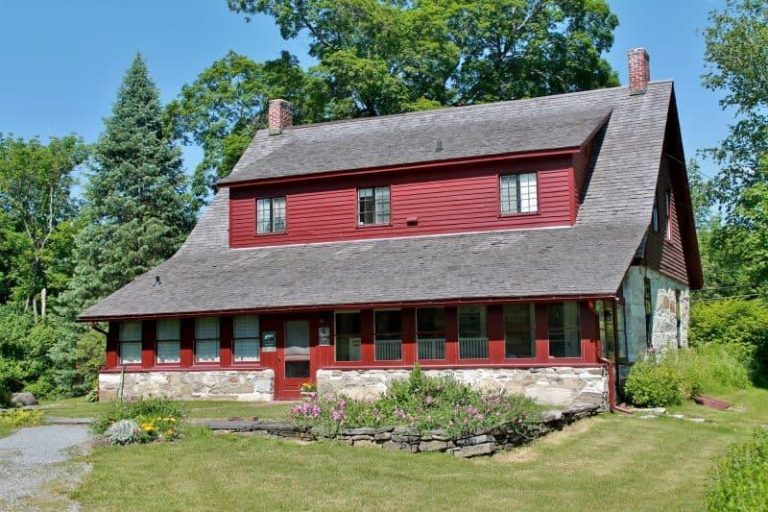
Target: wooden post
(452, 334)
(113, 345)
(186, 355)
(226, 348)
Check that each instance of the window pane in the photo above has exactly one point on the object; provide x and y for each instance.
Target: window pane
(130, 352)
(168, 351)
(348, 336)
(430, 322)
(528, 199)
(518, 330)
(509, 194)
(365, 206)
(207, 351)
(472, 322)
(168, 330)
(278, 214)
(382, 205)
(564, 335)
(264, 216)
(207, 328)
(246, 326)
(247, 349)
(388, 335)
(130, 331)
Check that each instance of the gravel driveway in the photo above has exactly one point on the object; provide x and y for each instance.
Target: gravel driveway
(34, 458)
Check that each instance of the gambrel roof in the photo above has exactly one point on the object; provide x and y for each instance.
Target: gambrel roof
(587, 259)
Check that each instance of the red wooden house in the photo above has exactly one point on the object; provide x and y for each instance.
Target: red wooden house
(536, 246)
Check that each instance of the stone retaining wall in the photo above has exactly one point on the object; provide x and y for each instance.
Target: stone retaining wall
(251, 385)
(564, 386)
(482, 442)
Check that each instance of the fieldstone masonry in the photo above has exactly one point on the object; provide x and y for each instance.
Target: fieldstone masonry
(254, 386)
(561, 386)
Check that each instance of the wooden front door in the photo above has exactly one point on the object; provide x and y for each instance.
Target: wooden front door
(294, 366)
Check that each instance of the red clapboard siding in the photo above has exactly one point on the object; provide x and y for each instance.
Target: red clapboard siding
(662, 253)
(448, 200)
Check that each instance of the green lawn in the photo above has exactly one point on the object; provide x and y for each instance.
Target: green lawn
(79, 408)
(608, 463)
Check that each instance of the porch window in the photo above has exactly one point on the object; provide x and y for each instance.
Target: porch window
(373, 206)
(207, 340)
(473, 339)
(270, 215)
(564, 333)
(519, 331)
(130, 342)
(168, 333)
(388, 335)
(518, 193)
(604, 311)
(347, 336)
(246, 340)
(430, 333)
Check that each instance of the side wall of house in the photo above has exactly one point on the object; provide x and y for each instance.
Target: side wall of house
(670, 303)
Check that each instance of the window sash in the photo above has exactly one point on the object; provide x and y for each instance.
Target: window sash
(247, 349)
(373, 206)
(270, 215)
(519, 193)
(168, 352)
(564, 331)
(246, 338)
(168, 330)
(130, 352)
(130, 330)
(472, 322)
(430, 323)
(207, 328)
(207, 351)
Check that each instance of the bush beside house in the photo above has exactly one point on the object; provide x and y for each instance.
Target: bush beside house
(740, 479)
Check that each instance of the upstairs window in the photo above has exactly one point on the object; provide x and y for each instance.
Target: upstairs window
(130, 342)
(373, 206)
(168, 341)
(518, 193)
(270, 215)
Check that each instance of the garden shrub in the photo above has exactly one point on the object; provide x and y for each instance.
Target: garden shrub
(13, 418)
(123, 432)
(158, 418)
(5, 397)
(422, 403)
(677, 374)
(740, 479)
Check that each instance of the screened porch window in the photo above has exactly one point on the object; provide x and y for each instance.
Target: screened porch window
(168, 341)
(130, 342)
(373, 206)
(247, 342)
(519, 193)
(430, 333)
(473, 339)
(347, 336)
(519, 331)
(270, 215)
(564, 333)
(207, 340)
(388, 335)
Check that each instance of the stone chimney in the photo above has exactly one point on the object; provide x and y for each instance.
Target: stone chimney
(639, 70)
(280, 116)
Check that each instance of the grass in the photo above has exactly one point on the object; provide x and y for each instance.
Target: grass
(79, 408)
(608, 463)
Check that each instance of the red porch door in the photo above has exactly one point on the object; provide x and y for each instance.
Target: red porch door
(294, 366)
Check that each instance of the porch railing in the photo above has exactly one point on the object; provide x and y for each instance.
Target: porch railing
(431, 348)
(388, 350)
(473, 348)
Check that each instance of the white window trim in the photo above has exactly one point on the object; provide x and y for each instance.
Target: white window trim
(520, 211)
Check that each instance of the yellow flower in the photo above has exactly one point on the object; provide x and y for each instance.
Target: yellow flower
(169, 432)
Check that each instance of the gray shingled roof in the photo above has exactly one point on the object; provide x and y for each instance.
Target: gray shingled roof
(478, 130)
(589, 258)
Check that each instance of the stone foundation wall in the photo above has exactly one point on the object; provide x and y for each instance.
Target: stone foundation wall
(251, 386)
(664, 333)
(564, 386)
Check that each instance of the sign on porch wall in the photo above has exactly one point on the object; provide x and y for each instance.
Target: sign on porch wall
(268, 341)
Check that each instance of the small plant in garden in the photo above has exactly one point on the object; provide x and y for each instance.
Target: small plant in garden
(422, 403)
(740, 479)
(155, 419)
(13, 418)
(123, 432)
(308, 387)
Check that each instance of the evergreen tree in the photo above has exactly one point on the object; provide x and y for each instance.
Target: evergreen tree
(138, 208)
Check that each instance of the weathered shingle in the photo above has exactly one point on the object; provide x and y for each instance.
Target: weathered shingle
(589, 258)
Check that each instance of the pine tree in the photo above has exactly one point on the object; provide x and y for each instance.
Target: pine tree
(138, 207)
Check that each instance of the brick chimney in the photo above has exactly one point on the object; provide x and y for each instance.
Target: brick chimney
(280, 116)
(639, 70)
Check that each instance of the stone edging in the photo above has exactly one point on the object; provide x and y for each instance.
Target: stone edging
(408, 440)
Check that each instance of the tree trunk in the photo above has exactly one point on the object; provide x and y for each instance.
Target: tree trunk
(43, 301)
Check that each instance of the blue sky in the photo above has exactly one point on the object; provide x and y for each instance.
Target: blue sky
(62, 62)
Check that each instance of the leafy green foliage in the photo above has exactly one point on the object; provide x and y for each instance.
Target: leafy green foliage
(740, 479)
(709, 368)
(15, 418)
(141, 410)
(137, 209)
(423, 403)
